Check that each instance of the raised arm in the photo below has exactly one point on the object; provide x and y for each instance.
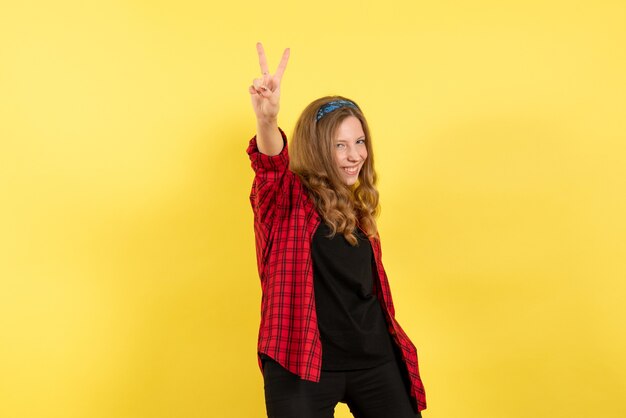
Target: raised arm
(265, 95)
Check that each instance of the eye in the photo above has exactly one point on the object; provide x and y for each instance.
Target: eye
(340, 145)
(361, 141)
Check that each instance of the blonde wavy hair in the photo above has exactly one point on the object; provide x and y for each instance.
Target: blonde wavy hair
(342, 207)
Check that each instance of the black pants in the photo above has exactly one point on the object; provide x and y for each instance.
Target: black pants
(379, 392)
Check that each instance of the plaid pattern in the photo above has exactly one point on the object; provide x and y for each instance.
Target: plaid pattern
(285, 220)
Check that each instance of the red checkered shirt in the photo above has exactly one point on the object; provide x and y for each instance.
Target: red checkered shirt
(285, 220)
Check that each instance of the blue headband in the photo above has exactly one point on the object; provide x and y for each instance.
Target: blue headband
(334, 105)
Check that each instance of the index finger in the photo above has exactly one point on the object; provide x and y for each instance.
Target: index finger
(262, 58)
(283, 64)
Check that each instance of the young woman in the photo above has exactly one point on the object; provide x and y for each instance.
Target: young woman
(328, 332)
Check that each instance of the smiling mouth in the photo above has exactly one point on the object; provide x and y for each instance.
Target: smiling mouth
(351, 170)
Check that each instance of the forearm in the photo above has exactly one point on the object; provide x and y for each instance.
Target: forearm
(268, 138)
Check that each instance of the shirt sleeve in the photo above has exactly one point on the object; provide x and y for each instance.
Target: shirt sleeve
(271, 173)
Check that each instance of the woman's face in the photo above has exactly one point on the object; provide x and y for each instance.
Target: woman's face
(349, 149)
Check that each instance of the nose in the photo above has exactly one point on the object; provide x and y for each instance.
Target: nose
(353, 154)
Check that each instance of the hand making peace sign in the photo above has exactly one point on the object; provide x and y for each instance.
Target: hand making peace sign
(265, 91)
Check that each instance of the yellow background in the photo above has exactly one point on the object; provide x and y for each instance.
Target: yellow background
(128, 284)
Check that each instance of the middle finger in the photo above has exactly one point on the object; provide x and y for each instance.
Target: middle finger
(262, 58)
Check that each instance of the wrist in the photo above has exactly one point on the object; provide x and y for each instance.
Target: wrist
(269, 122)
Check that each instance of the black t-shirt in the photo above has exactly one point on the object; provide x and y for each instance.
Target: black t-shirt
(349, 316)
